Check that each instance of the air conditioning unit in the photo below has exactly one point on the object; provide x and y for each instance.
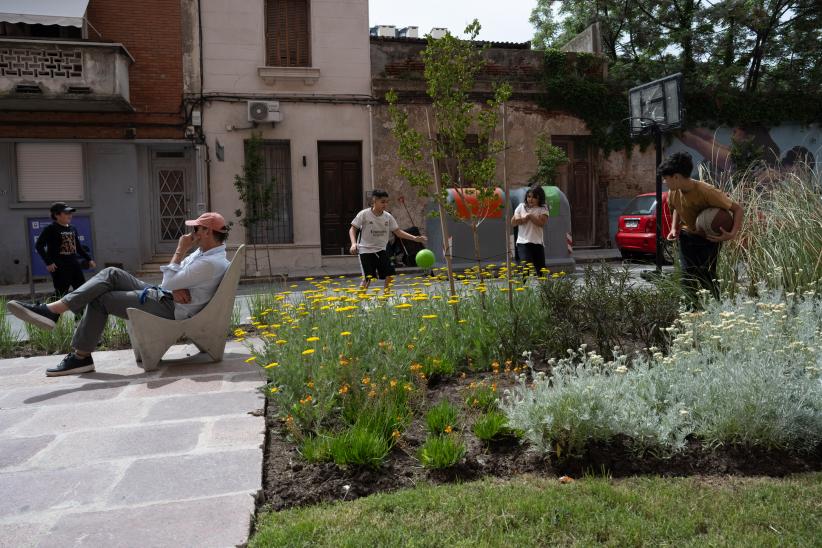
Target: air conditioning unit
(264, 111)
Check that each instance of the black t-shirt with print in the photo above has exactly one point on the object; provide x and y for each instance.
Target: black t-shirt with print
(58, 242)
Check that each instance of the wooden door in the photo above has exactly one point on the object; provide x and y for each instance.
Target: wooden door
(340, 173)
(575, 179)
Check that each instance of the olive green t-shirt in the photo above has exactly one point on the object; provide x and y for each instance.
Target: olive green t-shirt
(690, 204)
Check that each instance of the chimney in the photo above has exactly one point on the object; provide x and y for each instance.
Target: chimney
(438, 32)
(409, 32)
(389, 31)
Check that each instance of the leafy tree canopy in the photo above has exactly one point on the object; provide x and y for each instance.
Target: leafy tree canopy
(746, 45)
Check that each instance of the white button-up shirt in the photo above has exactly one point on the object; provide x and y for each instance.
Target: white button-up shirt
(200, 273)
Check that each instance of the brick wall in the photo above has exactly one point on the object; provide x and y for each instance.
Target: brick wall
(151, 31)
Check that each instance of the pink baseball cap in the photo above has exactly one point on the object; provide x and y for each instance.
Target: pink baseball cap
(211, 220)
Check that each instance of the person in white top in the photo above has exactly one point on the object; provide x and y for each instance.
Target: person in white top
(369, 234)
(188, 284)
(529, 218)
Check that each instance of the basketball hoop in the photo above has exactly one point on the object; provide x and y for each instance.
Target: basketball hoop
(656, 106)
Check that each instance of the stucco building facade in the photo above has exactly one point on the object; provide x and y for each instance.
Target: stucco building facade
(301, 68)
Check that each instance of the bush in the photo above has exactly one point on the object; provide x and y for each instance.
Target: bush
(741, 372)
(608, 308)
(441, 451)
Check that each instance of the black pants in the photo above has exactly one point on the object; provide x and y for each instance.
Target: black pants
(534, 254)
(698, 258)
(69, 274)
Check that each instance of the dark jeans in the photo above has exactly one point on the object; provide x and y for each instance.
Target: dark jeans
(534, 254)
(698, 258)
(68, 275)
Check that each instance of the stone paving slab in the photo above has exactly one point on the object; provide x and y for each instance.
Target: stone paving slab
(124, 457)
(188, 523)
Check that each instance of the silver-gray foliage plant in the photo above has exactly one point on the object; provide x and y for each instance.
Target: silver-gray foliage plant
(743, 372)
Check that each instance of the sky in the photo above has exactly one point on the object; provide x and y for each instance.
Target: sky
(505, 21)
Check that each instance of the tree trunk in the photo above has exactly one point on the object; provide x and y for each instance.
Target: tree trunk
(446, 237)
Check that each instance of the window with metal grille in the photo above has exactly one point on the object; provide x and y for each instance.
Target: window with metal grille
(277, 222)
(287, 33)
(47, 172)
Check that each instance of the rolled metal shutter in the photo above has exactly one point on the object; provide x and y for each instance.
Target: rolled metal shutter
(47, 172)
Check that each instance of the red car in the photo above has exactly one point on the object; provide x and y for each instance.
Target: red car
(636, 228)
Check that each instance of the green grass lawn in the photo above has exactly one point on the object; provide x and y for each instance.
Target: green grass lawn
(537, 511)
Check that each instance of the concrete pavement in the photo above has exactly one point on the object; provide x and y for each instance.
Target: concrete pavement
(121, 457)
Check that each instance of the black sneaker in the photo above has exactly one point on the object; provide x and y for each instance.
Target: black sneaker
(72, 365)
(35, 314)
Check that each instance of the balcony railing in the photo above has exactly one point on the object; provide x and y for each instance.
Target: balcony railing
(63, 75)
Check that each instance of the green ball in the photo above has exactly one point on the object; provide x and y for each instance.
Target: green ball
(425, 258)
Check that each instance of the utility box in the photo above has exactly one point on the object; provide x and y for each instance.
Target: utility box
(491, 231)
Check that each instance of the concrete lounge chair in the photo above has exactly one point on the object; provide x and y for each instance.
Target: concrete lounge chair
(151, 336)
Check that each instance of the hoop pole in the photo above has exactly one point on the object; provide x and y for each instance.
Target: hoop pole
(659, 237)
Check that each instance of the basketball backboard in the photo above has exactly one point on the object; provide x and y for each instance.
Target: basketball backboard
(656, 103)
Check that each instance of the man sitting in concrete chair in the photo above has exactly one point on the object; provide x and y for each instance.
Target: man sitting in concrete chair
(188, 284)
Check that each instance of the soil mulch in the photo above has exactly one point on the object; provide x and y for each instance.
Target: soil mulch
(289, 481)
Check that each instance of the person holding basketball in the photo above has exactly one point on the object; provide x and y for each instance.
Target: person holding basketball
(687, 198)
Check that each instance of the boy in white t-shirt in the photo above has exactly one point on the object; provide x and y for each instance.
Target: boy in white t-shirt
(530, 217)
(374, 226)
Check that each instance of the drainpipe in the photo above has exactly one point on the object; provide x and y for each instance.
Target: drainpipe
(371, 143)
(202, 107)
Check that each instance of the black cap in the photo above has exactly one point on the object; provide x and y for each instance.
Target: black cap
(61, 207)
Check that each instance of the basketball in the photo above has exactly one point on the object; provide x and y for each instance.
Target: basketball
(710, 220)
(425, 258)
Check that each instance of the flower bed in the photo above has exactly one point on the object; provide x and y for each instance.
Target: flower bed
(358, 385)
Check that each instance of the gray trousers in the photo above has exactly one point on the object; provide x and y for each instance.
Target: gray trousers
(111, 291)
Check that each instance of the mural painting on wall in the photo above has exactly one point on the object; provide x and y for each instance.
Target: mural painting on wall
(764, 150)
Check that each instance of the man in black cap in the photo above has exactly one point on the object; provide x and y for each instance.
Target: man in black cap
(59, 247)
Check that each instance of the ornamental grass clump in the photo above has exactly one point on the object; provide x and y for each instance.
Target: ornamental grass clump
(56, 341)
(359, 446)
(481, 395)
(316, 448)
(781, 233)
(443, 451)
(8, 336)
(741, 372)
(491, 426)
(441, 418)
(115, 334)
